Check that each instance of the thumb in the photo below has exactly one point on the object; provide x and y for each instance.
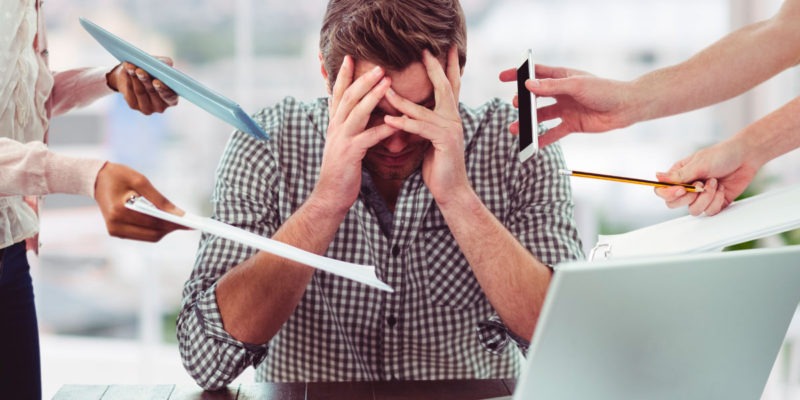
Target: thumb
(150, 193)
(681, 172)
(166, 60)
(551, 87)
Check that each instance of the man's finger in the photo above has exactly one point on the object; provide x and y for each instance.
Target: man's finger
(454, 71)
(442, 91)
(343, 80)
(353, 95)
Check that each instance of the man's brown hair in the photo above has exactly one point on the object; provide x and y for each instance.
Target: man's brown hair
(390, 33)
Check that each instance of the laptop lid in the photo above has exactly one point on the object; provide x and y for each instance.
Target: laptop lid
(703, 326)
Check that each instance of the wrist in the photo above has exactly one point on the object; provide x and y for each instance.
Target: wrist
(322, 206)
(111, 78)
(463, 200)
(749, 149)
(637, 103)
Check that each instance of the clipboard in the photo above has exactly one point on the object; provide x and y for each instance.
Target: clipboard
(766, 214)
(357, 272)
(186, 87)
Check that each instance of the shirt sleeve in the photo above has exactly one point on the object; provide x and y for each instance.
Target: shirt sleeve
(77, 88)
(32, 169)
(243, 197)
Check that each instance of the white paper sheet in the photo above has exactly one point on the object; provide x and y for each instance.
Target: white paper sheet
(357, 272)
(755, 217)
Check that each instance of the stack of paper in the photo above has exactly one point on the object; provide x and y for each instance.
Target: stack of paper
(756, 217)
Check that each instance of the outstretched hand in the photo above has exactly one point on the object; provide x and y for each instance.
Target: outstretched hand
(584, 103)
(116, 184)
(725, 172)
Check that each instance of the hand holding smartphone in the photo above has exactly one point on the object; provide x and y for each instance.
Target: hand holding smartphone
(528, 123)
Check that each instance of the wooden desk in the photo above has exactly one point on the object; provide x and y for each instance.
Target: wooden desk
(395, 390)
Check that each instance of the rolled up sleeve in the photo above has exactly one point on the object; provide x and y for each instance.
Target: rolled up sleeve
(209, 354)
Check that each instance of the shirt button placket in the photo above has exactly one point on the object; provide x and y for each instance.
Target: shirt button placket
(391, 332)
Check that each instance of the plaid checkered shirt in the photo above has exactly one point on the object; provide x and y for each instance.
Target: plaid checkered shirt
(438, 324)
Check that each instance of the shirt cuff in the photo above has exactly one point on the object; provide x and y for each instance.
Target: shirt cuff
(494, 336)
(71, 175)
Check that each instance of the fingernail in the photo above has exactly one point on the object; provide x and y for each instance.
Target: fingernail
(377, 70)
(535, 82)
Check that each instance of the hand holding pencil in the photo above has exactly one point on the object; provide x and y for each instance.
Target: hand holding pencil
(725, 170)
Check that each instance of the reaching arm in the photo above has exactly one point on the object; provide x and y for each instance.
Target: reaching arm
(31, 169)
(727, 68)
(80, 87)
(729, 166)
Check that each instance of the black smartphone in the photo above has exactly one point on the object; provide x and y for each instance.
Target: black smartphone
(528, 123)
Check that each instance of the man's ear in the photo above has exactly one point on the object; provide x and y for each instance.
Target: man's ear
(324, 73)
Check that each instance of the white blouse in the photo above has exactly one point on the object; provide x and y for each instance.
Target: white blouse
(29, 92)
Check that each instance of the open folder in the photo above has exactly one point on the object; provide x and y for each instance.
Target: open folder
(357, 272)
(186, 87)
(753, 218)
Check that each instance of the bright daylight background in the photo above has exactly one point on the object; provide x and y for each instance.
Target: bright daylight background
(107, 307)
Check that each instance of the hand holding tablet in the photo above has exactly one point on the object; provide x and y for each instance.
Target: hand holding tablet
(186, 87)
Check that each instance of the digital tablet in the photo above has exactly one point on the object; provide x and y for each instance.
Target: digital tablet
(186, 87)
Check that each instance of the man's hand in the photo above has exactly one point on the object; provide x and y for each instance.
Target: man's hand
(444, 169)
(348, 138)
(140, 90)
(116, 184)
(584, 103)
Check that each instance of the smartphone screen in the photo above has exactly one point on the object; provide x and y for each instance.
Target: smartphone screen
(528, 124)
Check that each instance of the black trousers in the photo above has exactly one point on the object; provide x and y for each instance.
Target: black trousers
(20, 369)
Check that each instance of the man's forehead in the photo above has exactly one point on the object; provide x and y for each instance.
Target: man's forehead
(412, 82)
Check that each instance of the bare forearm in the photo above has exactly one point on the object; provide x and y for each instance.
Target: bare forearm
(256, 297)
(772, 136)
(514, 281)
(727, 68)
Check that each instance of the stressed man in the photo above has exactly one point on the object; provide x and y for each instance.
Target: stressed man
(390, 170)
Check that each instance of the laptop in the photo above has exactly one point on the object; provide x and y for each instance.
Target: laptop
(702, 326)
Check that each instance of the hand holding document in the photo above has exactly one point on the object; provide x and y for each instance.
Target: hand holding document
(357, 272)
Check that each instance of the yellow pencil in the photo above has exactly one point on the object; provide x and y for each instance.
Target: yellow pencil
(581, 174)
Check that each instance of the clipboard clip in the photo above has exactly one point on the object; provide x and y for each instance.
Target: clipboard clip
(136, 200)
(601, 251)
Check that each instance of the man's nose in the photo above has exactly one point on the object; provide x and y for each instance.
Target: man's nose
(397, 142)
